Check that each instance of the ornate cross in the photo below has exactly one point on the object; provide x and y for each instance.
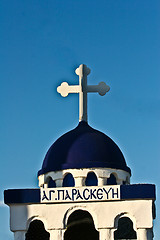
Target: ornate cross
(64, 89)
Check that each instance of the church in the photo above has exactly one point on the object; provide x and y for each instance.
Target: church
(84, 186)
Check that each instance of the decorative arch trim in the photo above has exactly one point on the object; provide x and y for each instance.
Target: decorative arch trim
(75, 208)
(91, 179)
(125, 214)
(42, 219)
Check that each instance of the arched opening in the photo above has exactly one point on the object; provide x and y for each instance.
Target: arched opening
(125, 182)
(36, 231)
(125, 229)
(51, 183)
(80, 226)
(112, 180)
(68, 181)
(91, 179)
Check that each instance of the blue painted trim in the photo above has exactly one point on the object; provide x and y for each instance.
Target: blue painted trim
(134, 191)
(22, 196)
(138, 191)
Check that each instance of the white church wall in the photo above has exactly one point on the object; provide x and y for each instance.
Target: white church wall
(105, 214)
(80, 175)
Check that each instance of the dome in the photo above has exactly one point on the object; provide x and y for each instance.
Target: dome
(83, 147)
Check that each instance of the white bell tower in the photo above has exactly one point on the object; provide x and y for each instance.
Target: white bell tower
(84, 187)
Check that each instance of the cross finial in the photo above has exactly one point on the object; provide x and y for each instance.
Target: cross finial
(64, 89)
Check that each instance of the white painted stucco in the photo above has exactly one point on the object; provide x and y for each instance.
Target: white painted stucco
(80, 175)
(105, 216)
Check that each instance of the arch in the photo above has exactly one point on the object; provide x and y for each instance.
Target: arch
(36, 231)
(42, 219)
(91, 179)
(126, 181)
(112, 180)
(125, 214)
(51, 183)
(80, 226)
(68, 180)
(125, 229)
(79, 207)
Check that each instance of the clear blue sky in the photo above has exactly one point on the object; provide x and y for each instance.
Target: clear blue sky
(41, 44)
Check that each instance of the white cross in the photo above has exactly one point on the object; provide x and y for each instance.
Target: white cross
(64, 89)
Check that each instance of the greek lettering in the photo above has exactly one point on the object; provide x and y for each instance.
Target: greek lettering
(74, 192)
(114, 193)
(79, 196)
(52, 191)
(92, 193)
(100, 193)
(107, 192)
(67, 196)
(84, 194)
(44, 196)
(59, 194)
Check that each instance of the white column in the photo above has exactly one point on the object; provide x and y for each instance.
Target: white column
(19, 235)
(55, 234)
(45, 185)
(112, 233)
(145, 234)
(79, 181)
(105, 234)
(119, 181)
(59, 182)
(102, 181)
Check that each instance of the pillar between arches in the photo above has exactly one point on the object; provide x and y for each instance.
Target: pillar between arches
(55, 234)
(19, 235)
(119, 182)
(105, 234)
(145, 234)
(79, 181)
(102, 181)
(45, 185)
(59, 182)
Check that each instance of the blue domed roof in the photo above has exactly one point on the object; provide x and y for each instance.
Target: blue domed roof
(83, 147)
